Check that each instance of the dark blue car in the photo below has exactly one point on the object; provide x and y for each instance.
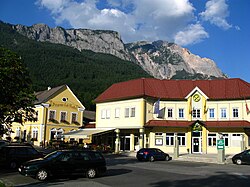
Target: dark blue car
(242, 158)
(151, 154)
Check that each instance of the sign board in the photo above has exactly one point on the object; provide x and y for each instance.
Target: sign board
(220, 144)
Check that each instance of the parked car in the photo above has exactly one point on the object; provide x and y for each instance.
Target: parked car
(14, 155)
(4, 143)
(151, 154)
(65, 163)
(242, 158)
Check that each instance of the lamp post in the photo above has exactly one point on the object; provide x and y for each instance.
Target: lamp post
(46, 106)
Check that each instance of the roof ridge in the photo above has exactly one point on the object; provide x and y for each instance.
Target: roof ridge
(50, 92)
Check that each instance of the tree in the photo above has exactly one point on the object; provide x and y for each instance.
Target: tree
(16, 95)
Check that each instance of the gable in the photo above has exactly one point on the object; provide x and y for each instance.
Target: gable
(66, 98)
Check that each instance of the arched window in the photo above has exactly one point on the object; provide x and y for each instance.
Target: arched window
(35, 133)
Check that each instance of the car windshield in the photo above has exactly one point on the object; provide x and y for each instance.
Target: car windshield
(53, 155)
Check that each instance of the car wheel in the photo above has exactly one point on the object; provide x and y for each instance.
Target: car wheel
(167, 158)
(13, 164)
(152, 159)
(238, 162)
(91, 173)
(42, 175)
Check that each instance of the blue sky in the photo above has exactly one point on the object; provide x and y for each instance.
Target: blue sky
(216, 29)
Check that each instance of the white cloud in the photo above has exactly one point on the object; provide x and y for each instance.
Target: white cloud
(55, 6)
(191, 34)
(136, 20)
(216, 13)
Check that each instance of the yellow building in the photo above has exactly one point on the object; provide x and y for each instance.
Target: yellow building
(149, 112)
(58, 111)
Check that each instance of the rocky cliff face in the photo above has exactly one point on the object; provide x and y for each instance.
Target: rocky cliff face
(167, 60)
(160, 59)
(95, 40)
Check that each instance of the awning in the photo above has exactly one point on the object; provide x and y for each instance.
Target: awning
(168, 123)
(228, 124)
(208, 124)
(85, 133)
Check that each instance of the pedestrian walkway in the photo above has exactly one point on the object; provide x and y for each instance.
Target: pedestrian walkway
(206, 158)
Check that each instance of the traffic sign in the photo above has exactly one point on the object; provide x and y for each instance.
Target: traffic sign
(220, 144)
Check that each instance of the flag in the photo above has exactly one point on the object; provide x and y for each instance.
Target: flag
(157, 107)
(205, 107)
(247, 109)
(190, 105)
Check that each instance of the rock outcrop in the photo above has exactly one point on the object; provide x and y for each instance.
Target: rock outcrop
(160, 59)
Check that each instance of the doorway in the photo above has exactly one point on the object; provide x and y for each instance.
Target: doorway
(125, 143)
(196, 142)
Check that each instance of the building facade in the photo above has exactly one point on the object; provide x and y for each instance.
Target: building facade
(58, 111)
(149, 112)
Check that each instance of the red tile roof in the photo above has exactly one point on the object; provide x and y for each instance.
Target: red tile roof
(172, 123)
(176, 89)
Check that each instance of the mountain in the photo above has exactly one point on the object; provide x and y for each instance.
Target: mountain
(160, 59)
(165, 60)
(87, 73)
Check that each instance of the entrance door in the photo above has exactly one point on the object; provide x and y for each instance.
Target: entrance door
(196, 142)
(125, 143)
(196, 145)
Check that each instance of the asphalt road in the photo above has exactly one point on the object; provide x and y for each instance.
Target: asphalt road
(127, 171)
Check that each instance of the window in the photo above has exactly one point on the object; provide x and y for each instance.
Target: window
(181, 138)
(52, 134)
(73, 117)
(129, 112)
(63, 116)
(56, 133)
(35, 133)
(196, 113)
(169, 138)
(126, 112)
(117, 113)
(211, 139)
(226, 139)
(181, 113)
(52, 114)
(105, 114)
(211, 112)
(223, 113)
(132, 112)
(18, 132)
(236, 140)
(170, 112)
(235, 112)
(158, 138)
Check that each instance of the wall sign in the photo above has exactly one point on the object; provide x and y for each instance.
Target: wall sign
(197, 127)
(196, 97)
